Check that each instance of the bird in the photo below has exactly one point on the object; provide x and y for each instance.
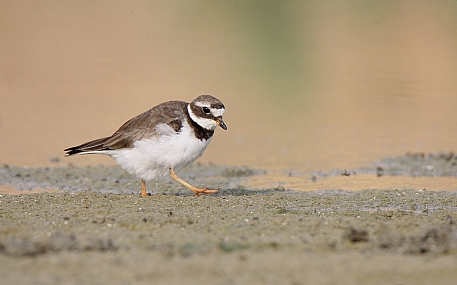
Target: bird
(162, 140)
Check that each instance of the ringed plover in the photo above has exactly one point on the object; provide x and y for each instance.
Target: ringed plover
(161, 140)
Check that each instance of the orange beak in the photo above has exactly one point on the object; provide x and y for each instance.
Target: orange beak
(221, 123)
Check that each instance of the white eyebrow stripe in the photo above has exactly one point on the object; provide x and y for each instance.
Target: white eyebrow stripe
(208, 124)
(217, 112)
(199, 104)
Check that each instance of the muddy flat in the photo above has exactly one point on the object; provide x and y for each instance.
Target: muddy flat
(314, 91)
(94, 228)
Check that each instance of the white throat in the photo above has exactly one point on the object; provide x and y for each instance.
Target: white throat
(202, 122)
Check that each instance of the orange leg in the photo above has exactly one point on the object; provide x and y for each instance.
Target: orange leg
(196, 190)
(143, 188)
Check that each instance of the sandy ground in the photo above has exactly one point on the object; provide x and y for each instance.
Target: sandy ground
(98, 230)
(311, 86)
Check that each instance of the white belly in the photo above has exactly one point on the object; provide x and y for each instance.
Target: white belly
(152, 158)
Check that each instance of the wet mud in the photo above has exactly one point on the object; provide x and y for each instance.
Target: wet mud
(96, 229)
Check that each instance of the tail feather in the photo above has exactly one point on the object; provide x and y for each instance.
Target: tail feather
(95, 145)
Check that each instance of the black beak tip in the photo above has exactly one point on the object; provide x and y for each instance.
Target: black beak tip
(222, 124)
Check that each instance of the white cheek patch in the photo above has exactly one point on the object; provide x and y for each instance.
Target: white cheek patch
(217, 112)
(203, 122)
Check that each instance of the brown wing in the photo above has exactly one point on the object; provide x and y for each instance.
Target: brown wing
(139, 127)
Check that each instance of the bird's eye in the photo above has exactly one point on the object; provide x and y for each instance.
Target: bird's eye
(206, 110)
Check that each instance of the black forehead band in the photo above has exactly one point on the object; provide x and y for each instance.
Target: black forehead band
(217, 106)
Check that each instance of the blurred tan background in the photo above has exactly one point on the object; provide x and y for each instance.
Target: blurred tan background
(307, 85)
